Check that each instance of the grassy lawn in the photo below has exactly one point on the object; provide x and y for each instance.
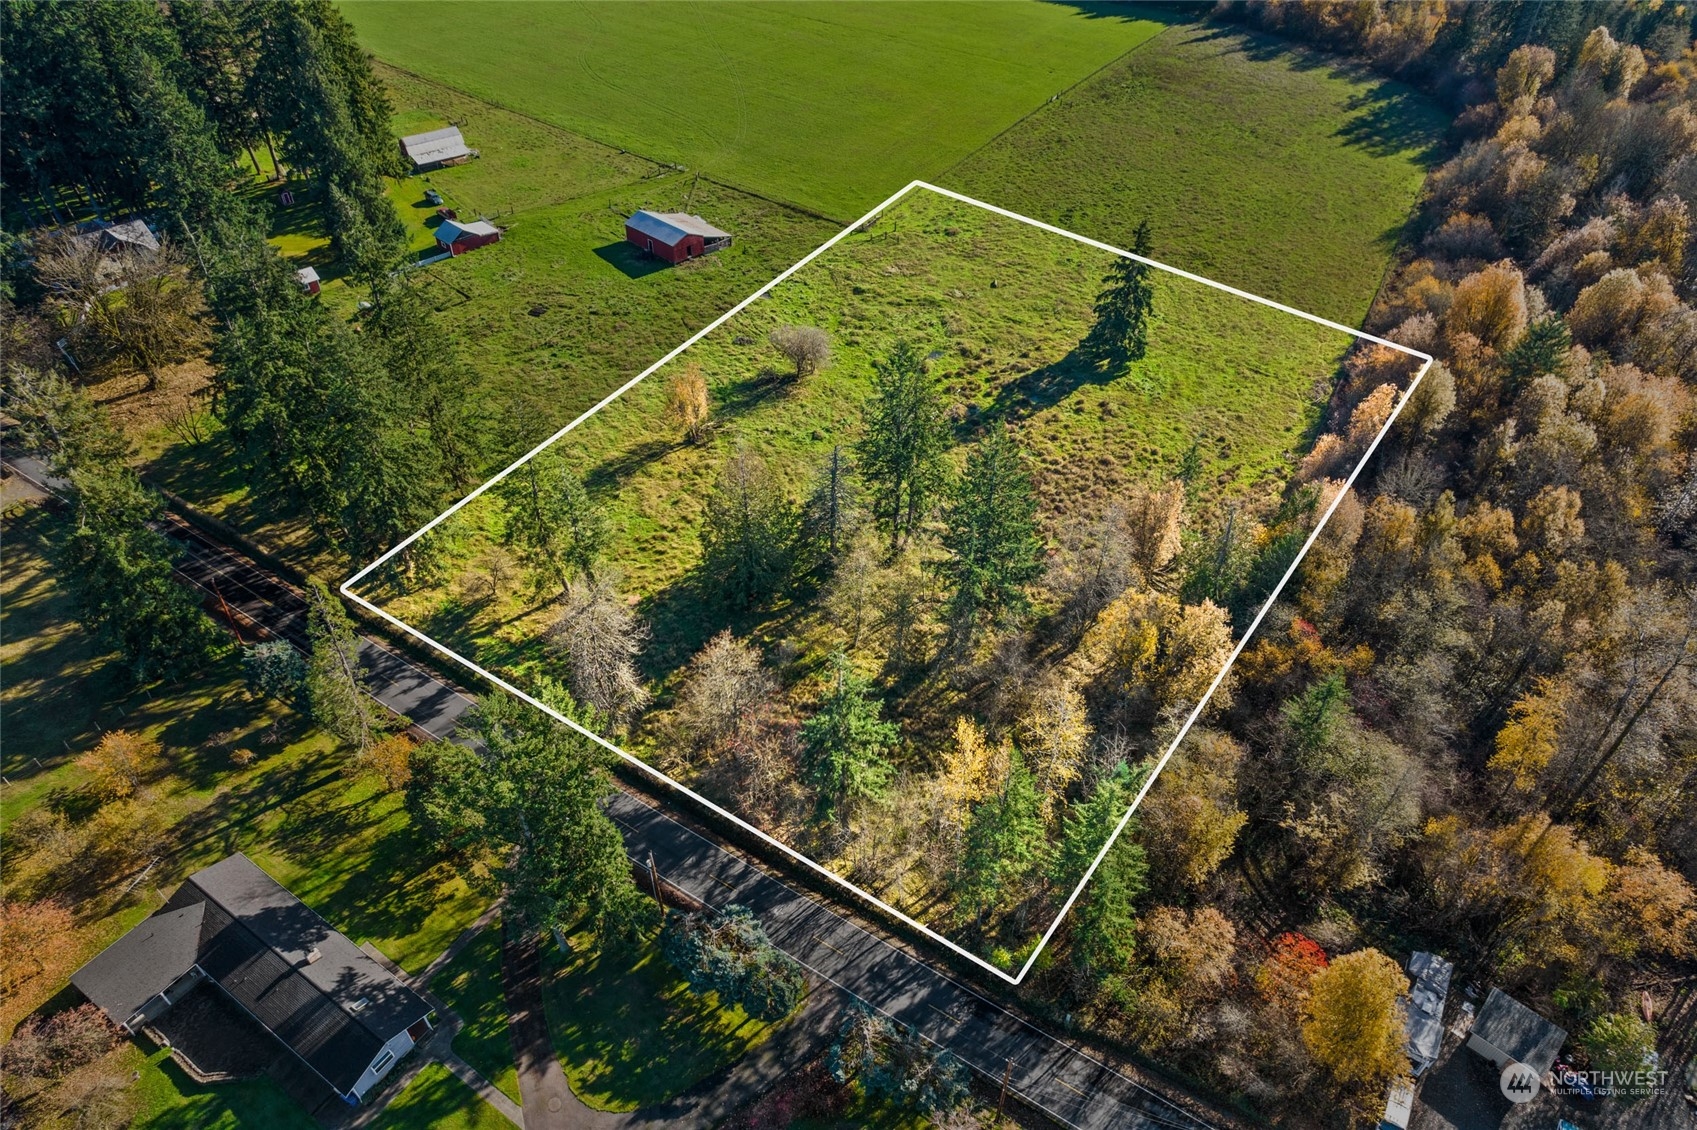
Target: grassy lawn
(563, 311)
(437, 1100)
(628, 1031)
(1257, 163)
(333, 838)
(832, 107)
(471, 986)
(525, 164)
(169, 1100)
(1002, 306)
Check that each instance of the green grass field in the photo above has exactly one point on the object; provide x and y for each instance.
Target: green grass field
(1002, 306)
(1257, 163)
(627, 1029)
(831, 107)
(471, 986)
(328, 834)
(437, 1100)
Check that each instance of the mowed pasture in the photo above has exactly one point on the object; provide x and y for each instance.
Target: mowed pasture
(1257, 162)
(829, 106)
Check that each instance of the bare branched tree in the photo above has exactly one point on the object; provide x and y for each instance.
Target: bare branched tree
(806, 347)
(137, 310)
(601, 637)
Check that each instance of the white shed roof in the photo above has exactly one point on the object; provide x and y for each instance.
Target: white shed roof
(306, 275)
(449, 230)
(443, 144)
(670, 227)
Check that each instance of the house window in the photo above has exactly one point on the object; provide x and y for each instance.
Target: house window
(383, 1060)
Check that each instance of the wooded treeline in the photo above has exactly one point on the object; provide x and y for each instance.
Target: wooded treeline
(1471, 725)
(161, 112)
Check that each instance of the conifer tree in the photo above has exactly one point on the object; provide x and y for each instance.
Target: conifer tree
(906, 435)
(1004, 842)
(1123, 309)
(1104, 920)
(990, 528)
(748, 534)
(832, 512)
(119, 572)
(336, 690)
(557, 527)
(845, 745)
(522, 804)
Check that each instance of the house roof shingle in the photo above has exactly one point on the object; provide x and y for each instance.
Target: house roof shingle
(323, 996)
(123, 977)
(1518, 1032)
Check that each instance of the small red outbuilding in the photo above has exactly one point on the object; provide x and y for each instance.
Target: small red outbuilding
(675, 236)
(456, 237)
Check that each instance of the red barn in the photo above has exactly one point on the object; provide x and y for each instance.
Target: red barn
(456, 237)
(675, 236)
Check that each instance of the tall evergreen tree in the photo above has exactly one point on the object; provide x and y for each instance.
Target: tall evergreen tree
(336, 690)
(558, 529)
(1004, 842)
(990, 529)
(191, 179)
(832, 512)
(906, 435)
(1123, 308)
(748, 533)
(220, 49)
(1104, 920)
(119, 572)
(117, 567)
(1540, 351)
(522, 803)
(845, 745)
(437, 386)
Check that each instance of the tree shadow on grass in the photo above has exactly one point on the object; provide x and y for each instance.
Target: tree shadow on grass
(747, 394)
(1047, 386)
(1130, 13)
(610, 474)
(1386, 117)
(632, 262)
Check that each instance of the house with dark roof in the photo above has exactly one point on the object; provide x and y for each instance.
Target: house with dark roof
(436, 148)
(1506, 1032)
(674, 236)
(113, 238)
(345, 1016)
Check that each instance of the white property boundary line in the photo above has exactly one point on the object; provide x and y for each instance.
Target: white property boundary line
(347, 586)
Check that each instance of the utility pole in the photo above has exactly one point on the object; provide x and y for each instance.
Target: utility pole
(1007, 1074)
(654, 879)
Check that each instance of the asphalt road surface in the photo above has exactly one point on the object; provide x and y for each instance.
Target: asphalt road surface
(1046, 1072)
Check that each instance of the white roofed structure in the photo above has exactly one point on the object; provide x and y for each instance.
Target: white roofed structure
(443, 146)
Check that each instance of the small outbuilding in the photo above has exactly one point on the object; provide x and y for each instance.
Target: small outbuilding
(1506, 1031)
(232, 928)
(436, 149)
(308, 278)
(1431, 988)
(675, 236)
(456, 237)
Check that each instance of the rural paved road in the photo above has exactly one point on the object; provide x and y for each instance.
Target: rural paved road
(1048, 1073)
